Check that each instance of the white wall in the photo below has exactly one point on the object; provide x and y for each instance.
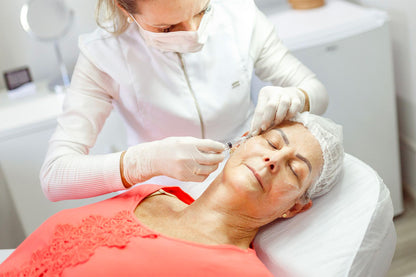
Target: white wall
(403, 32)
(11, 230)
(17, 49)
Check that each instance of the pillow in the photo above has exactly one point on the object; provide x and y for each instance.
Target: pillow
(347, 232)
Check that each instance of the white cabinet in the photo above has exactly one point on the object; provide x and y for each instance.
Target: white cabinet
(348, 48)
(23, 144)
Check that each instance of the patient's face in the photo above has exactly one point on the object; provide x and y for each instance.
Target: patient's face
(270, 172)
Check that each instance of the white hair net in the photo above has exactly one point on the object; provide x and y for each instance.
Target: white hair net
(329, 136)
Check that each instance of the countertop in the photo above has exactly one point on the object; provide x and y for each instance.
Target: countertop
(32, 111)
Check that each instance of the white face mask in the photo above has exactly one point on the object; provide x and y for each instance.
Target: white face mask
(179, 41)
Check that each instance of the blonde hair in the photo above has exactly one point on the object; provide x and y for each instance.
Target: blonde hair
(110, 16)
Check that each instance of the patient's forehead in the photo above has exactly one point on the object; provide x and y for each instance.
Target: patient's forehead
(295, 129)
(288, 123)
(297, 135)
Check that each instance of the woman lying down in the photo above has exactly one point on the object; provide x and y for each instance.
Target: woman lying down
(153, 230)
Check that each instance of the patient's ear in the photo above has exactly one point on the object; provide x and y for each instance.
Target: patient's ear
(299, 207)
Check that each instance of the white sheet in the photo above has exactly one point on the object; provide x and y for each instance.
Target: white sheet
(4, 253)
(348, 232)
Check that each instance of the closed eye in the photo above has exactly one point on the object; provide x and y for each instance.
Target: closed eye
(272, 145)
(293, 171)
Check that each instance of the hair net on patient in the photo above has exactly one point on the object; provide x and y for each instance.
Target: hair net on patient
(329, 136)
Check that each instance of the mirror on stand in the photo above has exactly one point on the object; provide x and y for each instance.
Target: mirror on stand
(49, 21)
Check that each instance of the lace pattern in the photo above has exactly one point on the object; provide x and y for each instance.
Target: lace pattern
(72, 245)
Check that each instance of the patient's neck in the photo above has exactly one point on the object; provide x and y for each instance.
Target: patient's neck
(209, 220)
(216, 213)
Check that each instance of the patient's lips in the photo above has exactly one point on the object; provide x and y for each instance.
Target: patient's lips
(258, 177)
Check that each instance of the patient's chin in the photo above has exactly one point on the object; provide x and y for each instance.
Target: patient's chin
(245, 184)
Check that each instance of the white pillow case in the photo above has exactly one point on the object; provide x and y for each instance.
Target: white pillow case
(348, 232)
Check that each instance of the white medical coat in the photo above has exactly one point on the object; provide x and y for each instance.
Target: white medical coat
(161, 94)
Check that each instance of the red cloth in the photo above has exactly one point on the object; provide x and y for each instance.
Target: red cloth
(106, 239)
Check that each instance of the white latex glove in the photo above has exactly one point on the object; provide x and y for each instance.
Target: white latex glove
(182, 158)
(274, 105)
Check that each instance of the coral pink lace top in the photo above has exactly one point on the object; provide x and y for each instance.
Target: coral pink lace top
(106, 239)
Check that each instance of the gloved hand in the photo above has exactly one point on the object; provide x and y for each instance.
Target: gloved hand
(274, 105)
(182, 158)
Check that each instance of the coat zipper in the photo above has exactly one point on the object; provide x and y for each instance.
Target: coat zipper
(198, 109)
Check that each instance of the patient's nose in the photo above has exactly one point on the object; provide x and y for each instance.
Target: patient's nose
(273, 166)
(274, 160)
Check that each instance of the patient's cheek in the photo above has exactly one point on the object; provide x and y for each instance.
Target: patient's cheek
(286, 192)
(251, 146)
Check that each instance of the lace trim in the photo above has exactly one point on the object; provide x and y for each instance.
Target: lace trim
(72, 245)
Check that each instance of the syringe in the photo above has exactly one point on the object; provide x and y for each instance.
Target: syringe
(230, 144)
